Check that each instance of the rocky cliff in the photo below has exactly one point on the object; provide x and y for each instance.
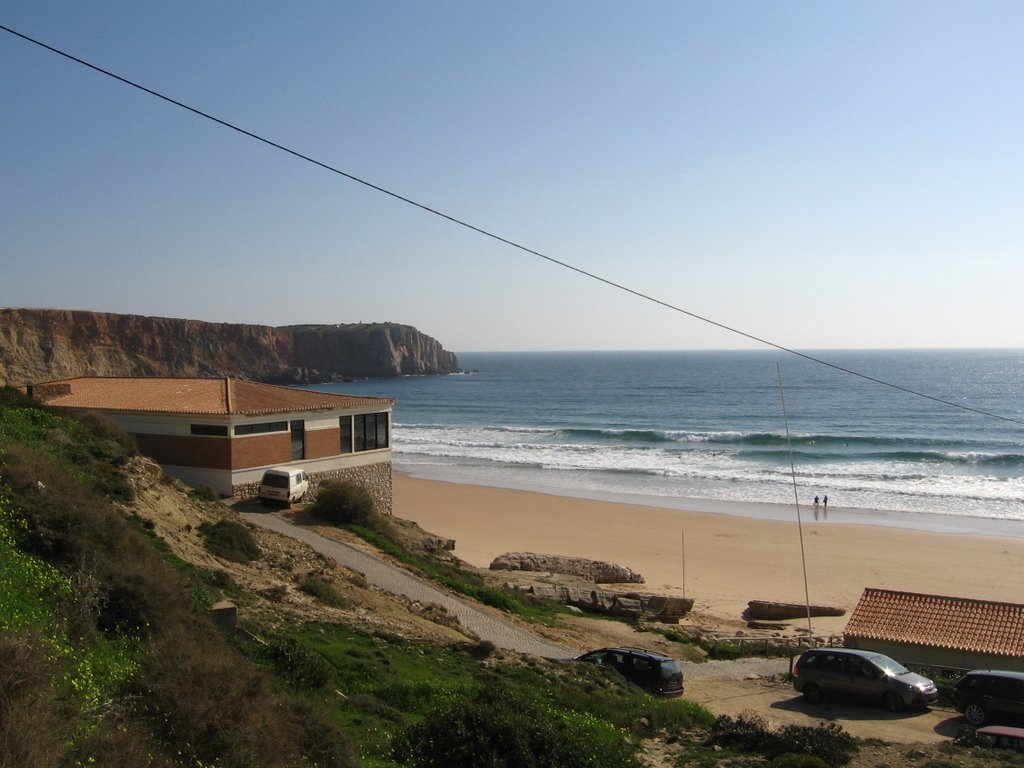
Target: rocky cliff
(43, 344)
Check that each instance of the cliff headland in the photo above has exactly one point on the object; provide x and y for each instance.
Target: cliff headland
(43, 344)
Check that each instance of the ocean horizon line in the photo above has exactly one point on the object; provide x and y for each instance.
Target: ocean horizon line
(761, 348)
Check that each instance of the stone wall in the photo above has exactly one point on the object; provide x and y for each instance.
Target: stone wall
(375, 478)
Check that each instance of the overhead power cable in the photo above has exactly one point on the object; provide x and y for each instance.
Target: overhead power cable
(506, 241)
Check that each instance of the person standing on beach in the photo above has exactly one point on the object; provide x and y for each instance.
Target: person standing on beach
(825, 500)
(815, 501)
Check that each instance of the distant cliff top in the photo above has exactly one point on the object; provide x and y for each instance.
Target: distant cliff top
(42, 344)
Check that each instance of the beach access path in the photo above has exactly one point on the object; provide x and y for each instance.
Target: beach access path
(481, 624)
(398, 581)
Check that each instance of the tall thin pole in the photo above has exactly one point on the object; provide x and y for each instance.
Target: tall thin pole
(682, 551)
(796, 499)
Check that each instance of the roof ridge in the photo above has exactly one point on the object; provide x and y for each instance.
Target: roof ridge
(950, 598)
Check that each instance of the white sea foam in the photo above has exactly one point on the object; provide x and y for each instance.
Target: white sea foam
(666, 426)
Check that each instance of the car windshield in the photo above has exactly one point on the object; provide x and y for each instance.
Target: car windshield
(889, 666)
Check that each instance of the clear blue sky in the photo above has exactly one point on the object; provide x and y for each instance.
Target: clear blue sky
(820, 174)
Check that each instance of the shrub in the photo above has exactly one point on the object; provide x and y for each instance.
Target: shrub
(368, 704)
(207, 492)
(320, 742)
(302, 668)
(202, 698)
(827, 741)
(314, 586)
(113, 443)
(798, 761)
(750, 733)
(119, 741)
(219, 579)
(230, 540)
(482, 650)
(344, 503)
(123, 609)
(33, 729)
(499, 728)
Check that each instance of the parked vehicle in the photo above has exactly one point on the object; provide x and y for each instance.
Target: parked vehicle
(283, 485)
(983, 693)
(853, 674)
(657, 674)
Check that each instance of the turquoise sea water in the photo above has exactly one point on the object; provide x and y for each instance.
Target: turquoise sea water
(668, 428)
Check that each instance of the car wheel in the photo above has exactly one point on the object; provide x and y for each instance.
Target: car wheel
(893, 702)
(975, 714)
(812, 694)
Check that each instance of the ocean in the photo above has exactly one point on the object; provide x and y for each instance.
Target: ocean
(707, 431)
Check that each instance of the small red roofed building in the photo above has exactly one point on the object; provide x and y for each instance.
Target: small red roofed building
(225, 432)
(938, 631)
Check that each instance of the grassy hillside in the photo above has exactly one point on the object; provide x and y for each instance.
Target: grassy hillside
(109, 654)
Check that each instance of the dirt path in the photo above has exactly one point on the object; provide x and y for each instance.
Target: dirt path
(392, 579)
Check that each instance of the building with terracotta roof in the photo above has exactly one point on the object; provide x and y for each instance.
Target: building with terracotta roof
(939, 631)
(225, 432)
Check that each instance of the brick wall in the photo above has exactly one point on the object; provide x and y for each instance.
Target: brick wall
(261, 450)
(321, 443)
(186, 450)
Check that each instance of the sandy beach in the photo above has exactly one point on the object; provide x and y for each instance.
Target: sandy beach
(720, 560)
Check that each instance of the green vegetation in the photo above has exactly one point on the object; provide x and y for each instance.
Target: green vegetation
(825, 744)
(506, 727)
(108, 654)
(94, 449)
(394, 691)
(448, 574)
(230, 540)
(107, 658)
(343, 503)
(322, 590)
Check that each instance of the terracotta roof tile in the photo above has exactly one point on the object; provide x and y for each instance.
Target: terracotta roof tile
(979, 626)
(196, 396)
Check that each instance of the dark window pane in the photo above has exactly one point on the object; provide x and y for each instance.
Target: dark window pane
(257, 429)
(360, 432)
(346, 434)
(371, 431)
(216, 430)
(382, 430)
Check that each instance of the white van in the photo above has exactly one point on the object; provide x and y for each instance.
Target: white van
(283, 485)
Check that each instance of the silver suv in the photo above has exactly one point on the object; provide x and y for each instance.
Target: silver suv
(864, 675)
